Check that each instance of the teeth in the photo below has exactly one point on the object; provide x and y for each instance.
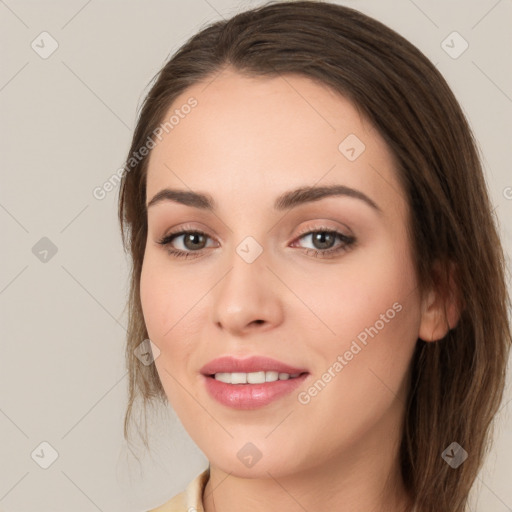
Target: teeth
(253, 377)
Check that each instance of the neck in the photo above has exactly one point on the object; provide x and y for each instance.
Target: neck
(364, 477)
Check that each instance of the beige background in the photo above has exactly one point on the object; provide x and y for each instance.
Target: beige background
(66, 125)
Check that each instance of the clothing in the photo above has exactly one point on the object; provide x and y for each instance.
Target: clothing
(191, 499)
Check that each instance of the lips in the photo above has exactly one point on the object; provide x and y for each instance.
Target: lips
(223, 379)
(229, 364)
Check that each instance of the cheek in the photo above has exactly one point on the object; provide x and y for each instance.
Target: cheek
(160, 307)
(153, 300)
(373, 312)
(173, 314)
(348, 398)
(353, 296)
(165, 299)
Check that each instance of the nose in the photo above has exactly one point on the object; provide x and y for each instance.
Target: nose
(248, 298)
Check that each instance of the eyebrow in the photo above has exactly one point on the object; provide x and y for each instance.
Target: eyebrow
(286, 201)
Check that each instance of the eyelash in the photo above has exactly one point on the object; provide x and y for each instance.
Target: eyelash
(348, 242)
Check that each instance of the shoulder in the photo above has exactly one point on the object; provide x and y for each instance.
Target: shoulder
(190, 500)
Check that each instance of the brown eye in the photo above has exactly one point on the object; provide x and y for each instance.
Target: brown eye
(324, 240)
(192, 242)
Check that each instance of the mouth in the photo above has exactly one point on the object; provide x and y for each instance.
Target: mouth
(250, 365)
(247, 395)
(258, 377)
(252, 382)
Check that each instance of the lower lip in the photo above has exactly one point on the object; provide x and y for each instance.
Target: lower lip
(251, 396)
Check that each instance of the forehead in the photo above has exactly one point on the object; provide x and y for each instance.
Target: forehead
(250, 135)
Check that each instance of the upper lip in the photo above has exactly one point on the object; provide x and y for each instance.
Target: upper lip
(230, 364)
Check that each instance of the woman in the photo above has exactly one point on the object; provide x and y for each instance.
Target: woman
(317, 267)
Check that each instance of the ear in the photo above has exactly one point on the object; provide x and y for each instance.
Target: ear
(441, 306)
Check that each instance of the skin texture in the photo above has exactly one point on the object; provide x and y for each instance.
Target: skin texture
(247, 141)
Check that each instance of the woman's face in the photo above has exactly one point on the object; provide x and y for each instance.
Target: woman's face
(321, 283)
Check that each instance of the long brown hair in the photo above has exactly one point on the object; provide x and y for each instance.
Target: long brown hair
(456, 383)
